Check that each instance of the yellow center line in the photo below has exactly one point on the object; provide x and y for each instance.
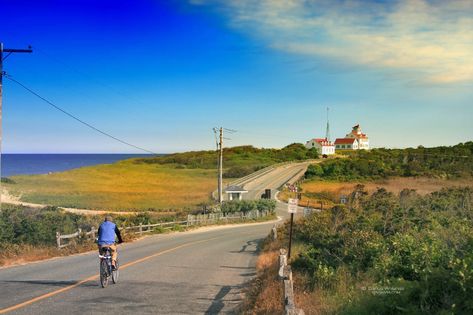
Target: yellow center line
(53, 293)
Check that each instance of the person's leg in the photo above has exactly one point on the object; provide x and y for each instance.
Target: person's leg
(113, 249)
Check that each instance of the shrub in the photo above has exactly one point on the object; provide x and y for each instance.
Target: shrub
(248, 205)
(7, 180)
(454, 161)
(422, 245)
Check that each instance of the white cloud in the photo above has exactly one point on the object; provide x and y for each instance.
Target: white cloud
(432, 39)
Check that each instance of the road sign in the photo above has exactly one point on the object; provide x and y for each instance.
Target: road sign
(292, 205)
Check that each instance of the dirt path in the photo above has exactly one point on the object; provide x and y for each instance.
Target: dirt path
(6, 197)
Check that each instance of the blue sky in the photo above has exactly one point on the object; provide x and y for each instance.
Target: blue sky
(161, 74)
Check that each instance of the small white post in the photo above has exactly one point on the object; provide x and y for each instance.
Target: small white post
(58, 240)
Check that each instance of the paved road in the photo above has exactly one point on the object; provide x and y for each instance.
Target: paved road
(273, 180)
(197, 272)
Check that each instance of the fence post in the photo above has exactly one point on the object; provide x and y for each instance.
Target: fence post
(93, 232)
(282, 262)
(141, 229)
(275, 232)
(58, 240)
(79, 233)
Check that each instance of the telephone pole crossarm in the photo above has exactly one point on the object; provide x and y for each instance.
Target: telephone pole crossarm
(8, 52)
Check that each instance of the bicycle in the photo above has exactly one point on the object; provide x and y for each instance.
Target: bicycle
(106, 269)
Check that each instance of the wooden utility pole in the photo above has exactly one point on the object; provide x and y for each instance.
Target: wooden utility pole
(2, 58)
(220, 167)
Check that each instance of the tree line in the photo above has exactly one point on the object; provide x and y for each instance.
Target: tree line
(238, 161)
(442, 162)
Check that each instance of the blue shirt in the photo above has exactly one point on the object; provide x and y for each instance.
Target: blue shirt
(107, 231)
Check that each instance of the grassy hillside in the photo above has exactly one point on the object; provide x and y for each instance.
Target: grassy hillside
(125, 185)
(172, 182)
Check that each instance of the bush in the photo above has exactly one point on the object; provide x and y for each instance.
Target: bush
(314, 170)
(420, 244)
(7, 180)
(240, 171)
(454, 161)
(248, 205)
(20, 225)
(239, 161)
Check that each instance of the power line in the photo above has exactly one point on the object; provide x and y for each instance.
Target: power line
(90, 78)
(9, 77)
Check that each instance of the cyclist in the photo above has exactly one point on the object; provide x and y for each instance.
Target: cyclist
(107, 232)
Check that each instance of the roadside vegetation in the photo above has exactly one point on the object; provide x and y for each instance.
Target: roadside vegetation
(381, 253)
(401, 243)
(264, 294)
(28, 234)
(172, 183)
(248, 205)
(390, 254)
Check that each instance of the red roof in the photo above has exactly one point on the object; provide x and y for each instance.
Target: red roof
(323, 142)
(345, 140)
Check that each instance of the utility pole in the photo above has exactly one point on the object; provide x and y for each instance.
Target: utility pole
(220, 168)
(8, 52)
(219, 142)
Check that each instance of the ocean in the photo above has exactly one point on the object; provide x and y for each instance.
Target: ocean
(27, 164)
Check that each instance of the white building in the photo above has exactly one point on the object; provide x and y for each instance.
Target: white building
(235, 192)
(355, 140)
(323, 146)
(346, 144)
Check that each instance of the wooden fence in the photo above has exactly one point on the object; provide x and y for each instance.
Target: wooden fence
(79, 234)
(192, 220)
(285, 274)
(147, 228)
(211, 218)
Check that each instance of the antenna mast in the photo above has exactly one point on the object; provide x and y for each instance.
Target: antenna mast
(327, 131)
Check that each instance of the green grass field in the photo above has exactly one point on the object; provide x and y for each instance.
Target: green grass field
(173, 182)
(124, 185)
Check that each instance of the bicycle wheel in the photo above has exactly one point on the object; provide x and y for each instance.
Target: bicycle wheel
(104, 273)
(115, 273)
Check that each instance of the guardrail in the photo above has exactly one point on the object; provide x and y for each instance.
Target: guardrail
(192, 220)
(285, 274)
